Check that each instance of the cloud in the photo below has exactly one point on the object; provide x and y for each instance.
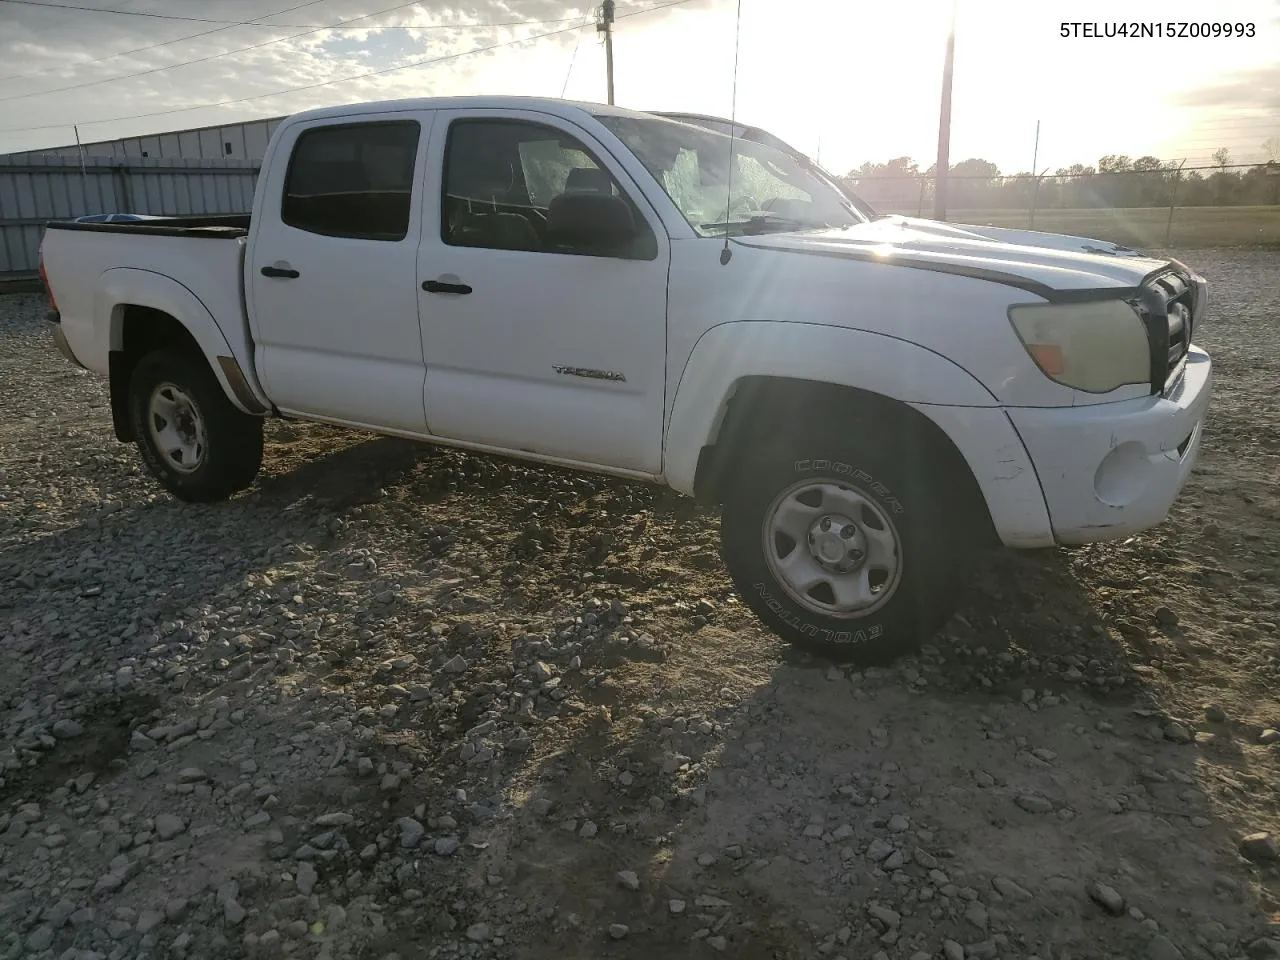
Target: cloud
(43, 50)
(380, 46)
(1248, 91)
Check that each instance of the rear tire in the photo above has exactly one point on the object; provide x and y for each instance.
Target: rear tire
(192, 438)
(843, 550)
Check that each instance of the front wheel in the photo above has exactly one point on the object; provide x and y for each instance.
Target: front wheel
(846, 552)
(192, 439)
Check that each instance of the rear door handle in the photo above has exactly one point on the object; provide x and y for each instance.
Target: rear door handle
(287, 273)
(438, 286)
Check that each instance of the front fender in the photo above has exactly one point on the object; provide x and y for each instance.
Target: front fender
(129, 286)
(939, 388)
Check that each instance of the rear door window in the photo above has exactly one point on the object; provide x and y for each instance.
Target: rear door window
(353, 180)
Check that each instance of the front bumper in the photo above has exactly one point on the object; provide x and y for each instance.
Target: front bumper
(1113, 469)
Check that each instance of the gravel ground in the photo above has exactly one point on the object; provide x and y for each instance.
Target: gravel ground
(395, 702)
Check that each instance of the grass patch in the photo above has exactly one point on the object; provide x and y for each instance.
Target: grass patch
(1141, 226)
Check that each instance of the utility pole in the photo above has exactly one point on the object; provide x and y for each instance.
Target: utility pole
(1173, 200)
(944, 125)
(605, 25)
(1035, 181)
(84, 174)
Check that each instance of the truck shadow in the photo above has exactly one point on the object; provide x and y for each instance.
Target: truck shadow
(771, 805)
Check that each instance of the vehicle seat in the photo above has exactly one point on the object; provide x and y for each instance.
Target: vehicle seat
(588, 180)
(477, 224)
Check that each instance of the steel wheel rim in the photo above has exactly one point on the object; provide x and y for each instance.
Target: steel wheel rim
(177, 428)
(827, 568)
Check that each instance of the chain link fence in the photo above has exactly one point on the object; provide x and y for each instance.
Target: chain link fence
(1150, 206)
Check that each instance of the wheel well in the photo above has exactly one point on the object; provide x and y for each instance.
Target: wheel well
(140, 331)
(762, 408)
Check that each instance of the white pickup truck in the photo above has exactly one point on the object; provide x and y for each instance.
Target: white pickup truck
(868, 397)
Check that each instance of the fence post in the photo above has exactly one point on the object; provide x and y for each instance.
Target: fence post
(920, 205)
(1173, 199)
(120, 174)
(1035, 198)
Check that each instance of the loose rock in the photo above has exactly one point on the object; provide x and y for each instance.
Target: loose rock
(411, 832)
(1034, 804)
(68, 729)
(168, 826)
(1161, 947)
(1107, 898)
(1260, 847)
(306, 879)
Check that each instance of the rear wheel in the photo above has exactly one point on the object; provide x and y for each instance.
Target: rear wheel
(191, 437)
(842, 550)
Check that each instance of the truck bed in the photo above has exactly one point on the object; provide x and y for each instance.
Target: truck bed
(217, 227)
(89, 265)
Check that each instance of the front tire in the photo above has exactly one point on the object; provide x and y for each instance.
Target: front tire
(191, 437)
(843, 551)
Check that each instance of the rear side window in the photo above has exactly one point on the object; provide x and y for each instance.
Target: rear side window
(354, 180)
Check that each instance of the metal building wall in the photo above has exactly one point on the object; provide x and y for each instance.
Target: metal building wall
(36, 190)
(248, 141)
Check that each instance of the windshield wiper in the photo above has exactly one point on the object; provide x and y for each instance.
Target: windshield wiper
(765, 223)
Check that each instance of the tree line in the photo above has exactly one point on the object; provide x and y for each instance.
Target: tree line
(1116, 181)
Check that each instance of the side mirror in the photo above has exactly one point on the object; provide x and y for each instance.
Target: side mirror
(590, 220)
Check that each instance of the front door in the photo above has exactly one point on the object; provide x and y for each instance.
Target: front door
(532, 343)
(333, 299)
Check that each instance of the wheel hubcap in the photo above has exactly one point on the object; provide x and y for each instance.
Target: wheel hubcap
(176, 427)
(832, 548)
(837, 543)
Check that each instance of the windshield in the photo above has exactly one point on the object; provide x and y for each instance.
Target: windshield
(771, 191)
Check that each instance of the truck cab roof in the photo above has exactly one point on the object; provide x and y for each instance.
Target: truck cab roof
(573, 109)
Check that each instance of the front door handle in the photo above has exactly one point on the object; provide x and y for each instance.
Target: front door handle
(286, 273)
(438, 286)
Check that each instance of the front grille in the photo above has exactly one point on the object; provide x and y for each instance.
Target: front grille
(1166, 304)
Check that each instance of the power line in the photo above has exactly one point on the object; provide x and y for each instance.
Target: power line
(227, 53)
(257, 22)
(153, 46)
(327, 83)
(573, 59)
(152, 16)
(341, 25)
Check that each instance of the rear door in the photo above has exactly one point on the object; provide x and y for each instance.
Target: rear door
(331, 271)
(534, 346)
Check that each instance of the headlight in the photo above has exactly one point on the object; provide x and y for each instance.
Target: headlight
(1095, 347)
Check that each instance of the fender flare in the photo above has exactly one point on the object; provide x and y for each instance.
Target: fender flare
(130, 286)
(960, 406)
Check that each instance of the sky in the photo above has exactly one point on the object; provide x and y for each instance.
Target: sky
(846, 80)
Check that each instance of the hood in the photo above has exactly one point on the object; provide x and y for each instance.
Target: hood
(1044, 263)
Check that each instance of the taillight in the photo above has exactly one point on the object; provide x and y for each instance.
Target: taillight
(48, 290)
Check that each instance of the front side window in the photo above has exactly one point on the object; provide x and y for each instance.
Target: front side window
(510, 185)
(353, 180)
(753, 188)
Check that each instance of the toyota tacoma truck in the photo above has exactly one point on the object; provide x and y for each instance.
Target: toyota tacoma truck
(869, 399)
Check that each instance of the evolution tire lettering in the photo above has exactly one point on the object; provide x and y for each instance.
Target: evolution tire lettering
(792, 620)
(845, 470)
